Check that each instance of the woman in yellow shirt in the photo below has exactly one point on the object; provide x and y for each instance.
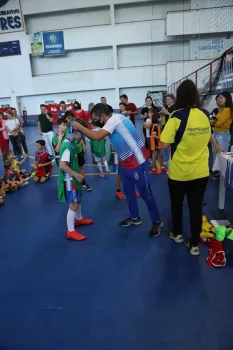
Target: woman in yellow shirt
(188, 133)
(223, 120)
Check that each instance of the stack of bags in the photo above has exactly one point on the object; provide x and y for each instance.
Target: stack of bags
(214, 237)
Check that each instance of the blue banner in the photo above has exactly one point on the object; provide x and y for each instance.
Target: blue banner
(53, 43)
(10, 48)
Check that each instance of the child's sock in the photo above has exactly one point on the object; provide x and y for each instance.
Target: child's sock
(70, 220)
(78, 214)
(100, 167)
(106, 166)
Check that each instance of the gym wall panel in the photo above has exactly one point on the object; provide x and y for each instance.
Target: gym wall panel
(213, 20)
(141, 76)
(77, 60)
(152, 54)
(178, 70)
(195, 4)
(43, 6)
(137, 95)
(147, 10)
(68, 19)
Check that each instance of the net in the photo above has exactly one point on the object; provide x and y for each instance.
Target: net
(158, 97)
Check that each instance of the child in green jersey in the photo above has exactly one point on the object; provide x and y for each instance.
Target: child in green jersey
(69, 184)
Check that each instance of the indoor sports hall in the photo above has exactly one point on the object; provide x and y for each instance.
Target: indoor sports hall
(150, 83)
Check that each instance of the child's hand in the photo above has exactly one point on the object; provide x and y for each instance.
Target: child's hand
(60, 137)
(33, 166)
(40, 165)
(79, 177)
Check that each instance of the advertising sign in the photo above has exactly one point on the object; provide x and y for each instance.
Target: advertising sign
(10, 48)
(11, 19)
(37, 47)
(213, 45)
(53, 43)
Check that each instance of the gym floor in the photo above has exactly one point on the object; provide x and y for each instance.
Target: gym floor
(118, 290)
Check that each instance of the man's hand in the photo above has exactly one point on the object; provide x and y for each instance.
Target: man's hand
(129, 112)
(76, 125)
(79, 177)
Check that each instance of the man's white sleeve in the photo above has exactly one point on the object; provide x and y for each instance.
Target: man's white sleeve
(66, 156)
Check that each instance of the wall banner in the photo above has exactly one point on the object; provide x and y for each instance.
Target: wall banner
(11, 19)
(213, 45)
(53, 43)
(37, 47)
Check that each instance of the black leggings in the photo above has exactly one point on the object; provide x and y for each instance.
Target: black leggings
(194, 190)
(15, 141)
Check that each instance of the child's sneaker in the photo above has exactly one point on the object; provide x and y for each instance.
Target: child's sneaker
(138, 194)
(86, 187)
(156, 172)
(101, 174)
(75, 236)
(120, 195)
(164, 170)
(25, 183)
(83, 222)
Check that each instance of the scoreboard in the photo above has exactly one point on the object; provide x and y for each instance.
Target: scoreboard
(10, 48)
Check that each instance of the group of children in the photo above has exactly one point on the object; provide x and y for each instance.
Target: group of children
(15, 177)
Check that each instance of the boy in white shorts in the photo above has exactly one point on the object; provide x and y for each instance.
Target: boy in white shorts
(99, 152)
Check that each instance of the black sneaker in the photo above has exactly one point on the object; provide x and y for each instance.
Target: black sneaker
(129, 222)
(156, 229)
(195, 251)
(86, 187)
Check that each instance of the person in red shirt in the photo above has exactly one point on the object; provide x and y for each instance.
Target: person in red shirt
(130, 107)
(88, 114)
(79, 112)
(42, 164)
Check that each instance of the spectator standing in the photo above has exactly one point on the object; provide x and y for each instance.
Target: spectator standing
(62, 111)
(22, 136)
(45, 128)
(130, 107)
(188, 165)
(4, 138)
(104, 101)
(12, 127)
(168, 109)
(123, 110)
(79, 112)
(88, 114)
(223, 120)
(144, 116)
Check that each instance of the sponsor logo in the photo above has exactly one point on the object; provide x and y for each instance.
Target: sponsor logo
(53, 38)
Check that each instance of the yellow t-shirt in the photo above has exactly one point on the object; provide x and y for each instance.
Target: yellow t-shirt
(16, 164)
(224, 120)
(188, 131)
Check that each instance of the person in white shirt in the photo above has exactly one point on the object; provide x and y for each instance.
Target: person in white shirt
(12, 127)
